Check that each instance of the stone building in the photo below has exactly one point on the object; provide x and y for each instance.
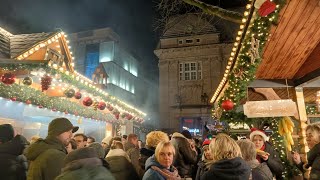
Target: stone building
(192, 59)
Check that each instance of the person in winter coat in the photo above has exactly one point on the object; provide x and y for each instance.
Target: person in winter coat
(47, 155)
(13, 165)
(259, 138)
(313, 156)
(227, 161)
(119, 162)
(84, 164)
(159, 166)
(186, 154)
(260, 171)
(206, 159)
(131, 148)
(152, 140)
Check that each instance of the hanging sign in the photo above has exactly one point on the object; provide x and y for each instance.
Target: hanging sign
(270, 108)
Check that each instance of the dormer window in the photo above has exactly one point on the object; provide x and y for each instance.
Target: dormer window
(55, 57)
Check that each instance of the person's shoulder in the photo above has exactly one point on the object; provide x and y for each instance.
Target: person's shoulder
(151, 174)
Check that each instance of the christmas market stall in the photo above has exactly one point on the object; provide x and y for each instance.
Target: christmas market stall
(271, 80)
(38, 83)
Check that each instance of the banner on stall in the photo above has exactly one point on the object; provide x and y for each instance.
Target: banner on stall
(270, 108)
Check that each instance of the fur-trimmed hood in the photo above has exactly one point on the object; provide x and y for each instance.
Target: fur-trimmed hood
(118, 152)
(176, 134)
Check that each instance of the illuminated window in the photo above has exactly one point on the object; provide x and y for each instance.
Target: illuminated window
(190, 71)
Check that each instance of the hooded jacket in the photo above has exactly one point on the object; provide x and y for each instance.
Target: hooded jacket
(260, 170)
(228, 169)
(152, 174)
(185, 157)
(13, 165)
(46, 157)
(203, 166)
(120, 165)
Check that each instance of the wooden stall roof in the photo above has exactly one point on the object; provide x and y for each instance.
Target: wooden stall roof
(294, 47)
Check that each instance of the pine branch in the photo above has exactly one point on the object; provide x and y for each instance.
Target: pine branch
(216, 11)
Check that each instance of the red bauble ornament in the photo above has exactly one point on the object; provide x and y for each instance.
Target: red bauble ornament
(45, 82)
(66, 112)
(129, 116)
(87, 101)
(117, 116)
(266, 8)
(54, 109)
(102, 105)
(40, 106)
(28, 101)
(8, 78)
(227, 105)
(13, 99)
(78, 95)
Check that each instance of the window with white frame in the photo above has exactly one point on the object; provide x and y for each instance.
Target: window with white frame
(190, 71)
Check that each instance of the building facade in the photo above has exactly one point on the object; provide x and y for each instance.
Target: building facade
(192, 59)
(100, 56)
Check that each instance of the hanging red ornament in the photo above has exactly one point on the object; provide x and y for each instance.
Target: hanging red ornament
(8, 78)
(227, 105)
(267, 8)
(87, 101)
(66, 112)
(78, 95)
(102, 105)
(40, 106)
(45, 82)
(27, 81)
(129, 116)
(13, 99)
(117, 116)
(28, 101)
(54, 109)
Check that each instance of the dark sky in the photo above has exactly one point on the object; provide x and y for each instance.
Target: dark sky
(131, 19)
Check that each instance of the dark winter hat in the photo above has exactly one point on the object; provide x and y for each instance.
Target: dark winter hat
(186, 134)
(60, 125)
(81, 153)
(6, 132)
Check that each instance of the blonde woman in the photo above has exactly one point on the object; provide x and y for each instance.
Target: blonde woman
(159, 166)
(152, 140)
(249, 153)
(313, 141)
(228, 163)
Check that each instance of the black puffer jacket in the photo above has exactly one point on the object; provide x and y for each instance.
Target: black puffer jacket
(13, 165)
(145, 153)
(228, 169)
(185, 157)
(274, 161)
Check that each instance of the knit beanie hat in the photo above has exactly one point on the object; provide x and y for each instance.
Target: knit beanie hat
(107, 140)
(59, 126)
(186, 134)
(6, 132)
(81, 153)
(206, 142)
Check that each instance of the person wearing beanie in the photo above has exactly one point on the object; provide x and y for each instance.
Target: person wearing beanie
(186, 154)
(13, 165)
(98, 148)
(47, 155)
(271, 157)
(206, 159)
(84, 164)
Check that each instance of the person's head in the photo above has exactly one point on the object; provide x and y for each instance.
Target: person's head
(62, 129)
(105, 142)
(90, 140)
(206, 150)
(224, 147)
(117, 145)
(133, 139)
(71, 146)
(155, 137)
(248, 149)
(78, 154)
(98, 148)
(186, 134)
(258, 137)
(6, 133)
(313, 134)
(164, 154)
(124, 138)
(117, 138)
(81, 140)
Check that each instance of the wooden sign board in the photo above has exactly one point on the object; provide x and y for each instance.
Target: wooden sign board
(270, 108)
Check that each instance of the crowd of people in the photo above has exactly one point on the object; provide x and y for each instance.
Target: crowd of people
(63, 155)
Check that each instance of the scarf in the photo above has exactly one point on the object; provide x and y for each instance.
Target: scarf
(167, 173)
(262, 149)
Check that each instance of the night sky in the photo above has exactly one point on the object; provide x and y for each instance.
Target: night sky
(133, 20)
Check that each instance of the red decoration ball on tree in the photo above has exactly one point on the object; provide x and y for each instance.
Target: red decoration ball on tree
(87, 101)
(13, 99)
(28, 101)
(45, 82)
(227, 105)
(129, 116)
(102, 105)
(8, 78)
(78, 95)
